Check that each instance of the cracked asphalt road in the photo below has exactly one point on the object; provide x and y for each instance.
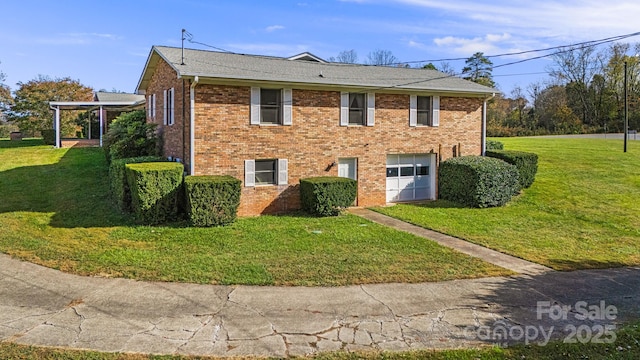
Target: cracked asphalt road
(40, 306)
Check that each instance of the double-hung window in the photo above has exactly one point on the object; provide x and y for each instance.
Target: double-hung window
(424, 110)
(151, 106)
(265, 172)
(357, 108)
(169, 111)
(271, 106)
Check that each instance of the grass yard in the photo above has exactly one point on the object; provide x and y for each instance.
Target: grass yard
(583, 210)
(56, 211)
(626, 347)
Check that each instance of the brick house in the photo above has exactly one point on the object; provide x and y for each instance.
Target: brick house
(271, 121)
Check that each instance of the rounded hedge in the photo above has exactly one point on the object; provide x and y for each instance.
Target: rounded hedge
(477, 181)
(327, 195)
(212, 200)
(526, 162)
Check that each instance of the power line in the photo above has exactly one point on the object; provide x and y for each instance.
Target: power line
(574, 45)
(561, 49)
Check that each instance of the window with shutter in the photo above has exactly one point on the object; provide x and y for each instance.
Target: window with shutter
(271, 106)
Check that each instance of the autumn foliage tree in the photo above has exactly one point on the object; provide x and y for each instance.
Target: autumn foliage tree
(31, 111)
(5, 96)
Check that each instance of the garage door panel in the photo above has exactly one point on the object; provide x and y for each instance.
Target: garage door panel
(393, 184)
(392, 195)
(421, 181)
(406, 182)
(422, 193)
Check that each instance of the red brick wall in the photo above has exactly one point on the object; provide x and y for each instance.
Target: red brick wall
(175, 137)
(224, 139)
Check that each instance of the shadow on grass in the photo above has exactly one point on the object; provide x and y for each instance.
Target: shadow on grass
(438, 204)
(75, 190)
(7, 144)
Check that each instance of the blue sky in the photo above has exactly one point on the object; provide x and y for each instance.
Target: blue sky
(105, 44)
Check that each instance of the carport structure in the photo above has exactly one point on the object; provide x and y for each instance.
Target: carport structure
(107, 104)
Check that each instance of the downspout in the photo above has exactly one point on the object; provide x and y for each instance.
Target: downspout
(192, 125)
(484, 123)
(184, 128)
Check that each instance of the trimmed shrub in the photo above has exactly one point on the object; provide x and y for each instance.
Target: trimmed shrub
(129, 136)
(494, 145)
(155, 190)
(477, 181)
(327, 195)
(212, 200)
(118, 179)
(49, 136)
(526, 162)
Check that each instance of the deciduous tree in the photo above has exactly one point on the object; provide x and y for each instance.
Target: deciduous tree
(31, 111)
(5, 97)
(346, 57)
(381, 58)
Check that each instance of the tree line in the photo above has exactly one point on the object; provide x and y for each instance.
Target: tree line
(583, 94)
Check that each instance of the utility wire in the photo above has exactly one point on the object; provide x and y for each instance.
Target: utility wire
(560, 47)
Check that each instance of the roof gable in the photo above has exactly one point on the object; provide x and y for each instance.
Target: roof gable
(307, 56)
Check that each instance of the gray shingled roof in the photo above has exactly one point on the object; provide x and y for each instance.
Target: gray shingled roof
(117, 97)
(220, 65)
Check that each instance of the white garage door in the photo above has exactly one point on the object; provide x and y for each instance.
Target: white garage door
(410, 177)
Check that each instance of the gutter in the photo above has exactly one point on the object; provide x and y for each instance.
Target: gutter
(192, 123)
(484, 124)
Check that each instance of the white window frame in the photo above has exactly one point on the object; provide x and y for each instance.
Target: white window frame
(434, 116)
(280, 176)
(153, 106)
(369, 111)
(168, 116)
(286, 107)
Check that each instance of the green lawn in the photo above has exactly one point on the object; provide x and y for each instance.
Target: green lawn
(583, 211)
(56, 211)
(626, 347)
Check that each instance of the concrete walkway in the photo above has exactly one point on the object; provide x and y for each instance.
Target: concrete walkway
(491, 256)
(41, 306)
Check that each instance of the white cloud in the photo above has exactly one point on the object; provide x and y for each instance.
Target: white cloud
(75, 38)
(567, 19)
(274, 28)
(487, 44)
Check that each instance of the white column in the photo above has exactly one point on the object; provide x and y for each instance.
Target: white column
(89, 127)
(101, 131)
(57, 127)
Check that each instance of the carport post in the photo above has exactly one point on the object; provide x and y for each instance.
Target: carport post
(101, 126)
(57, 126)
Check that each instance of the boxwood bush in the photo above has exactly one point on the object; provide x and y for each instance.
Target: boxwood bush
(327, 195)
(212, 200)
(526, 162)
(477, 181)
(118, 179)
(156, 188)
(494, 145)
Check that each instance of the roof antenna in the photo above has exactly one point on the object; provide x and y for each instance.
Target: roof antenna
(183, 33)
